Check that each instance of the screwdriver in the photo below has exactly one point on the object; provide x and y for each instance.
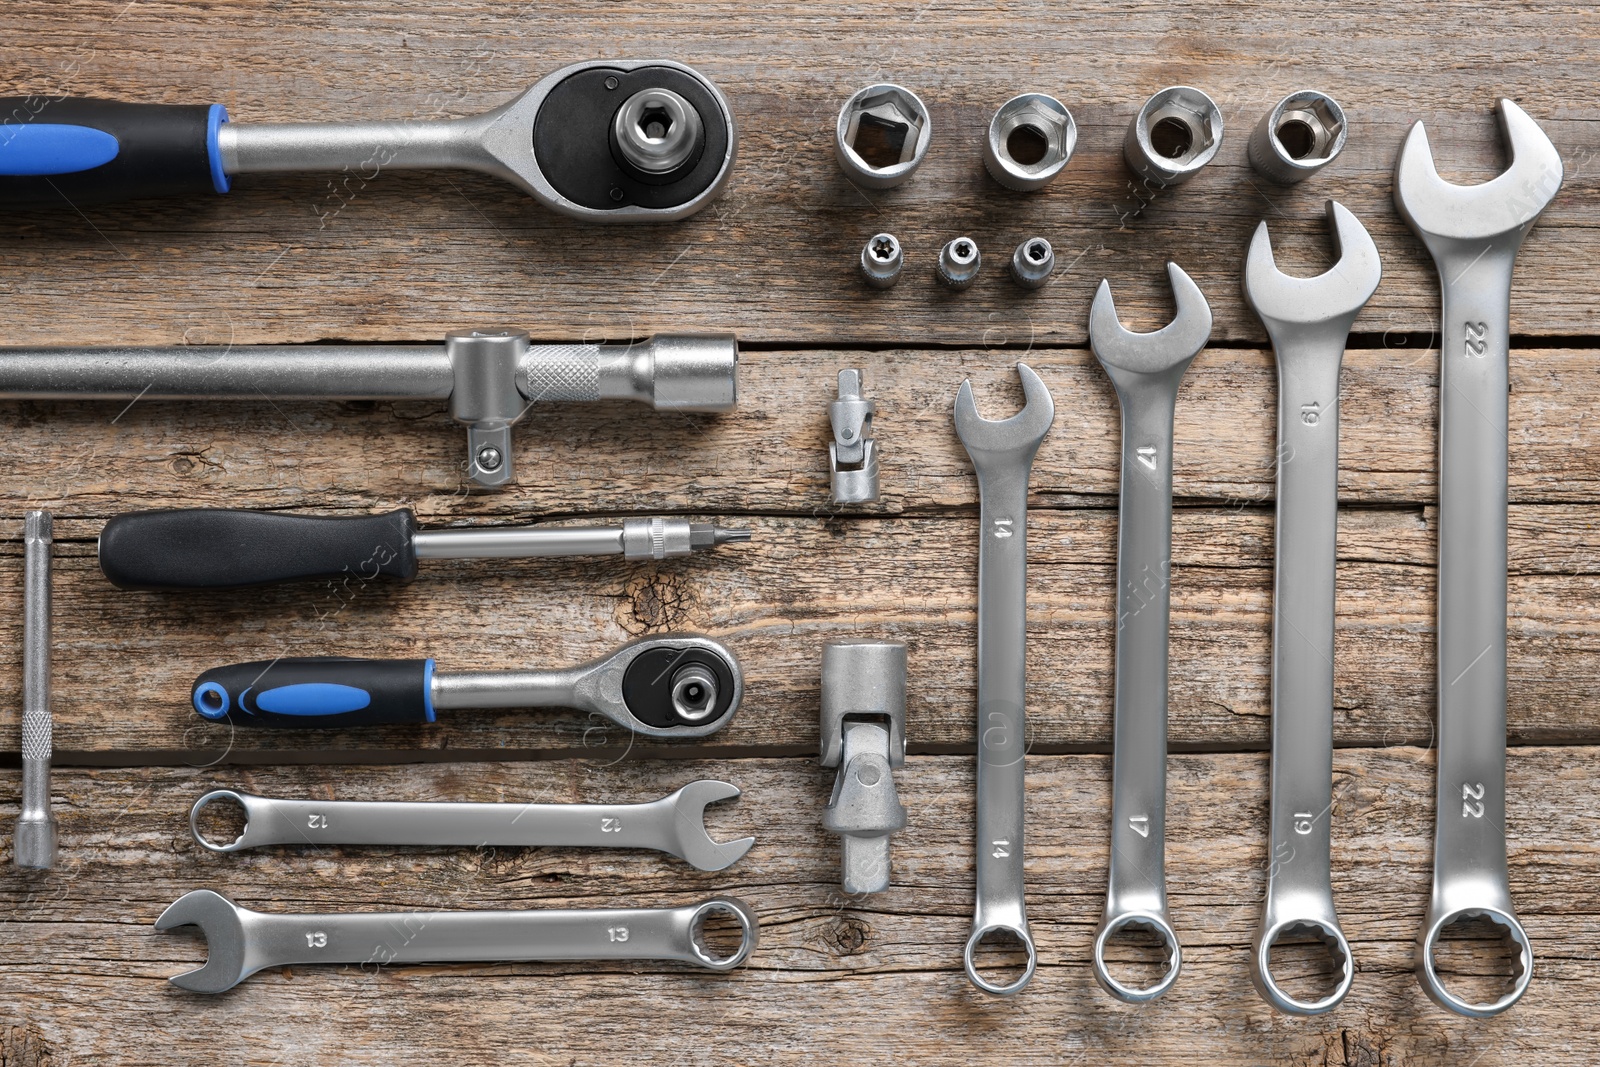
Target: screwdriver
(223, 548)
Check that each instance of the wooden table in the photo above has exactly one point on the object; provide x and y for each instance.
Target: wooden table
(406, 257)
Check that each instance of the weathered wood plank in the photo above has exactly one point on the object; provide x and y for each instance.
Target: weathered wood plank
(125, 662)
(770, 454)
(78, 959)
(405, 255)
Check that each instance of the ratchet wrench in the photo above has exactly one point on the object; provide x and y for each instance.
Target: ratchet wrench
(674, 824)
(1473, 234)
(1146, 369)
(240, 942)
(1002, 455)
(679, 686)
(605, 140)
(1308, 320)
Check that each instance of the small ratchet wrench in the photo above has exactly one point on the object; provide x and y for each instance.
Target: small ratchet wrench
(1002, 455)
(678, 686)
(1473, 234)
(624, 140)
(1308, 320)
(241, 942)
(1146, 369)
(674, 824)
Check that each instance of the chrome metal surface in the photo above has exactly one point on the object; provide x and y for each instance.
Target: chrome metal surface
(882, 260)
(864, 736)
(675, 824)
(1038, 123)
(1146, 369)
(595, 686)
(35, 844)
(959, 263)
(1033, 262)
(1308, 320)
(853, 452)
(1473, 234)
(1302, 134)
(1175, 133)
(882, 135)
(240, 942)
(497, 142)
(1002, 456)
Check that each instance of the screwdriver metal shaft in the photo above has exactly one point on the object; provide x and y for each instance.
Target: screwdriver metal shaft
(654, 538)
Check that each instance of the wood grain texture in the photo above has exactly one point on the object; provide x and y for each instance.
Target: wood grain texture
(411, 255)
(408, 256)
(905, 567)
(833, 978)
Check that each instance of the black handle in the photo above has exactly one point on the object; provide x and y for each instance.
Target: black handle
(329, 691)
(218, 548)
(55, 150)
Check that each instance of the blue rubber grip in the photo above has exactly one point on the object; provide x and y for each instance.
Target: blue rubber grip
(70, 150)
(317, 692)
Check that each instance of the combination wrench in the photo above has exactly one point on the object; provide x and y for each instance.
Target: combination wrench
(240, 942)
(1473, 234)
(679, 686)
(1308, 320)
(1002, 455)
(675, 824)
(1146, 369)
(605, 141)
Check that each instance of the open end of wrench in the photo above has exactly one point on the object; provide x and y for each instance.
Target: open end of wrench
(1433, 985)
(1020, 935)
(749, 932)
(1337, 293)
(1503, 205)
(220, 924)
(1137, 920)
(1151, 353)
(1006, 436)
(689, 828)
(1338, 953)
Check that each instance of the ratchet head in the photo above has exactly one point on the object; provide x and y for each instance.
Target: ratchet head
(1006, 438)
(679, 686)
(1168, 350)
(221, 922)
(1501, 208)
(688, 834)
(1331, 298)
(621, 140)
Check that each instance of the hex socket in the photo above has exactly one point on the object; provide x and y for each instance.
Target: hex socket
(1038, 127)
(1175, 133)
(1033, 262)
(1304, 133)
(882, 135)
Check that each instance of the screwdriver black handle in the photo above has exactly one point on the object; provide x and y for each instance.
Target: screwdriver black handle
(55, 150)
(219, 548)
(317, 692)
